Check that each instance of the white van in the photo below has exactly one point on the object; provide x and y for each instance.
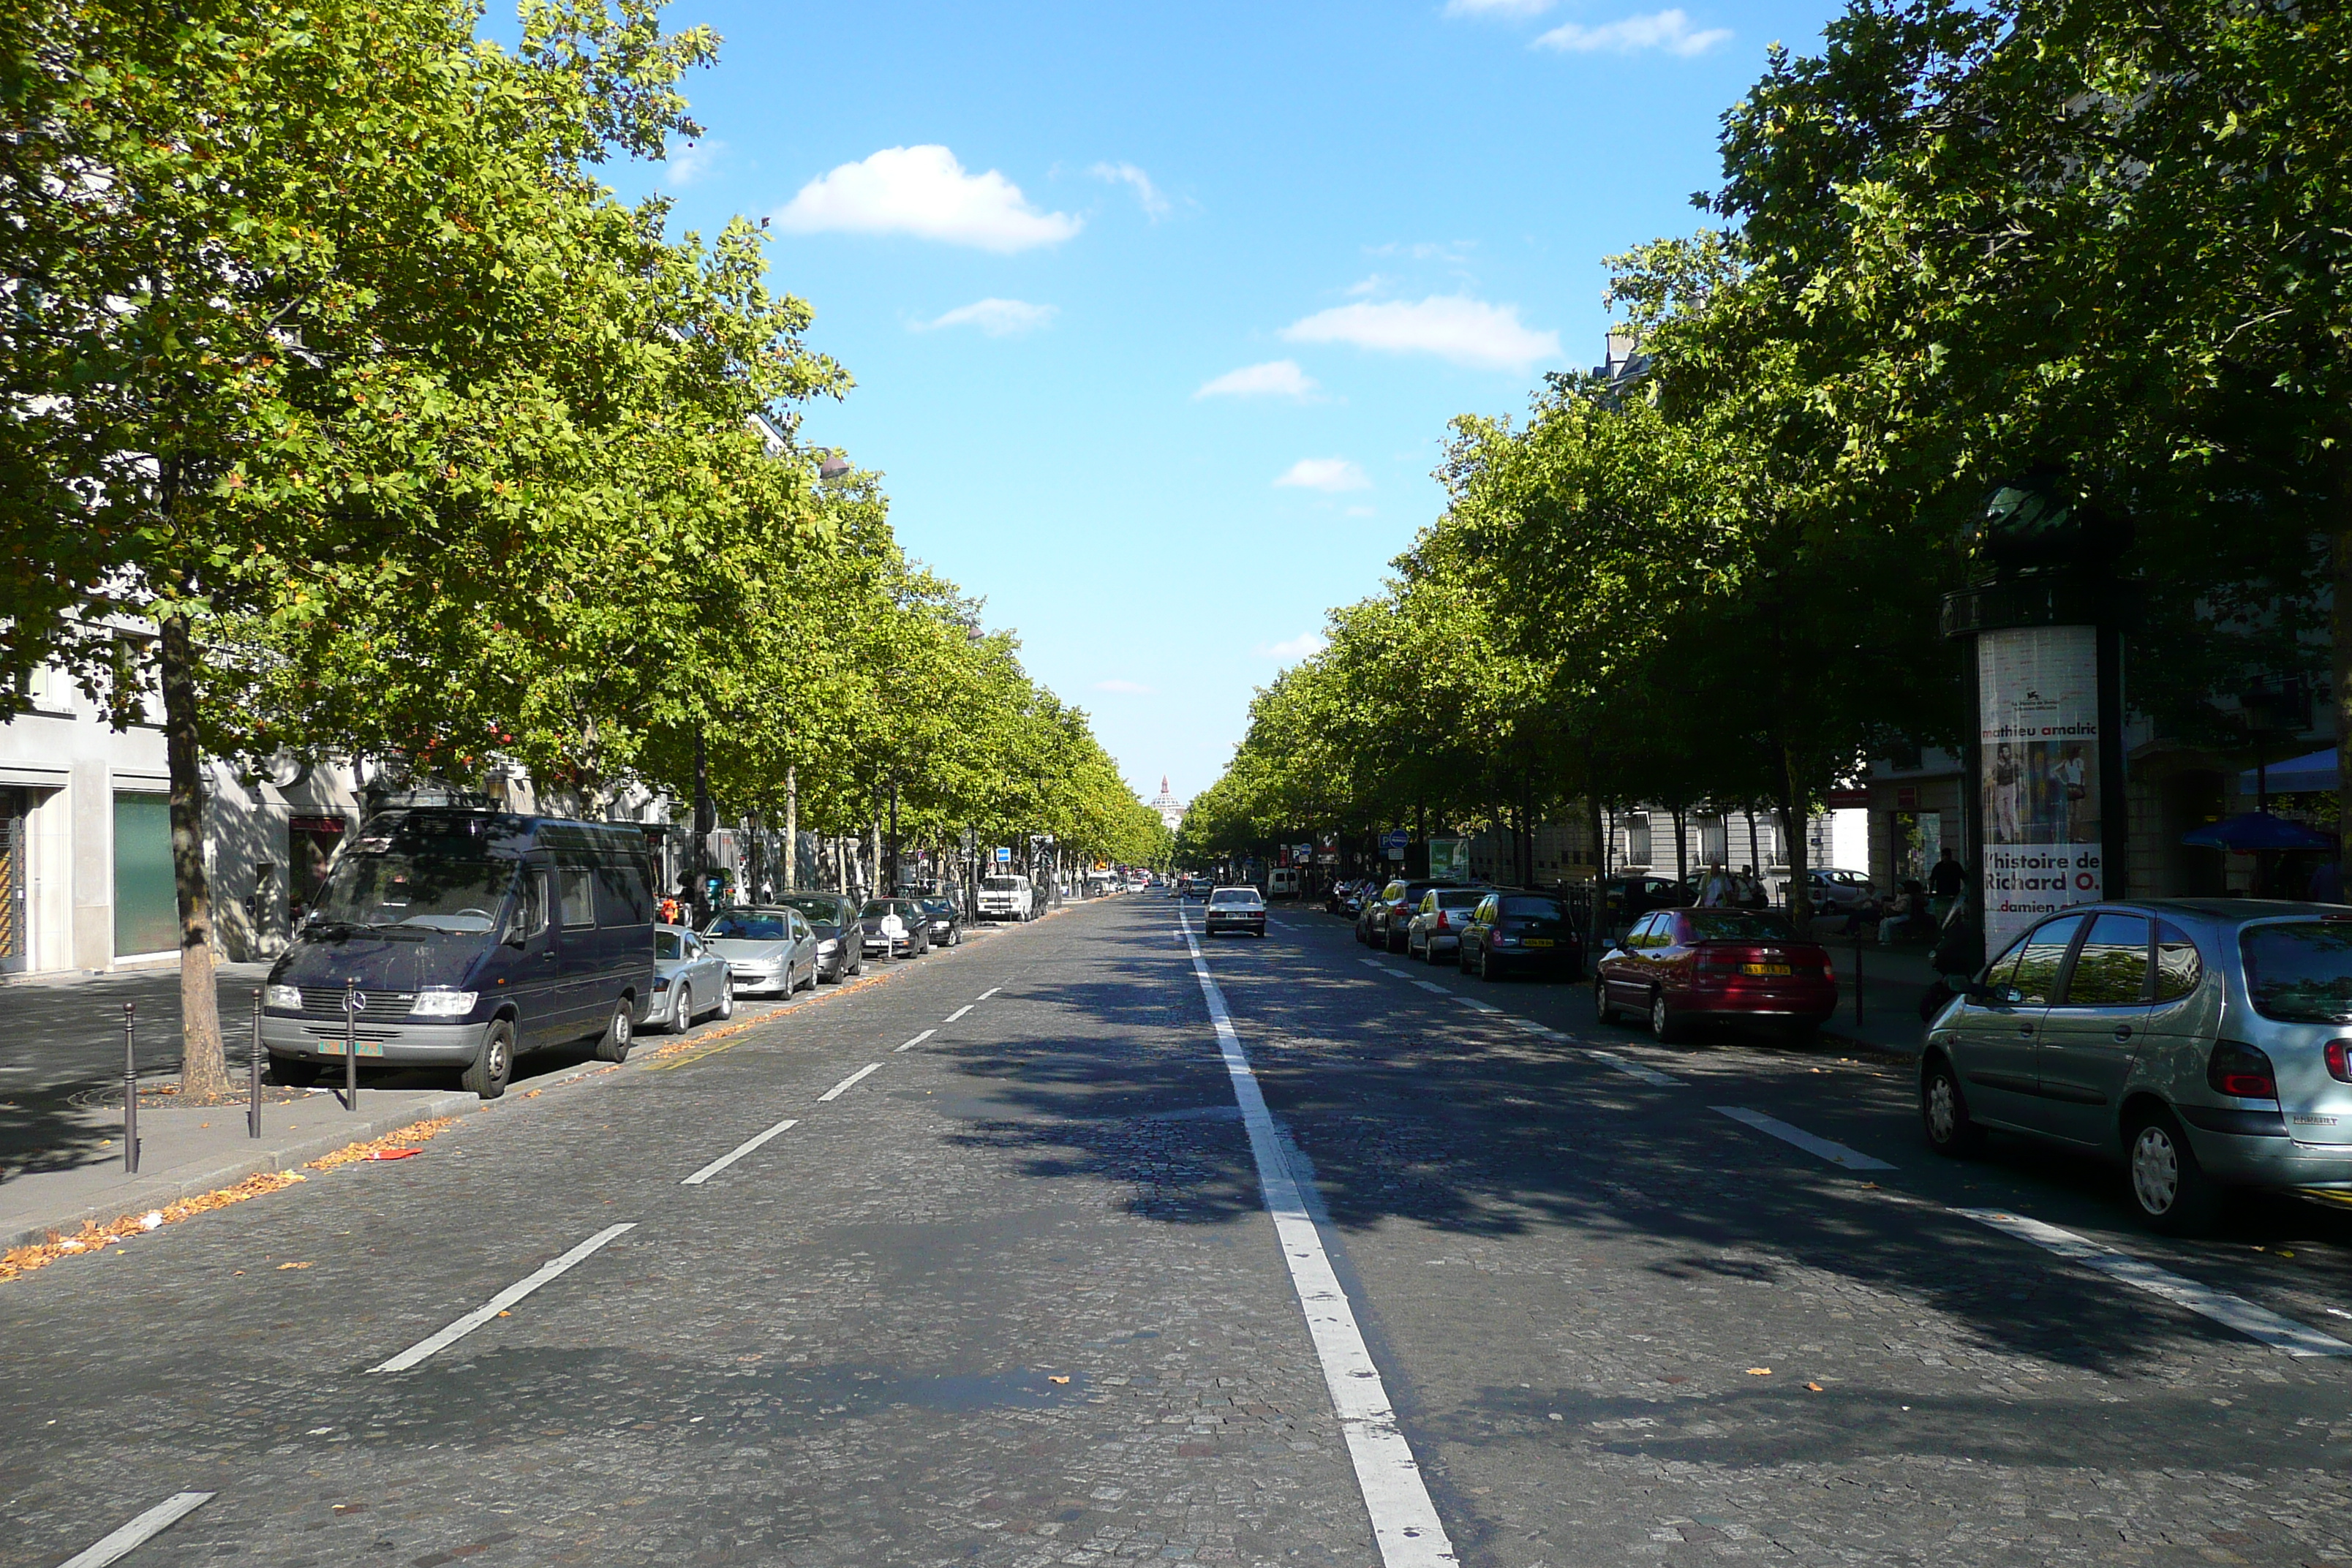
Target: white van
(1282, 882)
(1007, 899)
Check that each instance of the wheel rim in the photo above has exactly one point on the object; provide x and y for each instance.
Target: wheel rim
(621, 1024)
(1658, 1013)
(1943, 1111)
(498, 1055)
(2154, 1169)
(727, 997)
(685, 1007)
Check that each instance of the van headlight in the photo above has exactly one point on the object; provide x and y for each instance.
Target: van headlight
(286, 997)
(443, 1004)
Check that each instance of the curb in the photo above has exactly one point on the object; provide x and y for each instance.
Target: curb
(157, 1192)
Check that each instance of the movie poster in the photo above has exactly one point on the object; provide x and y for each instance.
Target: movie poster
(2037, 690)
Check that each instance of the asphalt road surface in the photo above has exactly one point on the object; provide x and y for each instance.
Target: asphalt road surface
(1392, 1268)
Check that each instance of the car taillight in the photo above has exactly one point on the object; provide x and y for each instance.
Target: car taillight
(2240, 1069)
(1441, 920)
(1725, 958)
(2339, 1060)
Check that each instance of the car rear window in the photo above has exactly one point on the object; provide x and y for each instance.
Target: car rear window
(1460, 898)
(747, 928)
(1734, 925)
(1536, 909)
(1232, 896)
(2300, 972)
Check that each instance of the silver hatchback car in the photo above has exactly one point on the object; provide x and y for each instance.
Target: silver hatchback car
(2206, 1042)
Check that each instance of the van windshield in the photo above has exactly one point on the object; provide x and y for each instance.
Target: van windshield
(2300, 972)
(394, 889)
(999, 884)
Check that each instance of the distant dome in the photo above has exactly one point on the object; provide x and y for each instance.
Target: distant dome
(1170, 809)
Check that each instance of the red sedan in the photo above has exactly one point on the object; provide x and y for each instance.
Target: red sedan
(1679, 966)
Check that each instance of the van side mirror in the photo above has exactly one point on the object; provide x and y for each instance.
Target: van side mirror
(516, 934)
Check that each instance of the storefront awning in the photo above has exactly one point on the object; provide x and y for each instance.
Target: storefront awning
(2316, 772)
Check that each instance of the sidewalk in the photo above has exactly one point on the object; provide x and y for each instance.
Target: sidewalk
(1892, 979)
(77, 1174)
(64, 1031)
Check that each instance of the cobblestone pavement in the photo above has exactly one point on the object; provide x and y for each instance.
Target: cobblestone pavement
(1012, 1298)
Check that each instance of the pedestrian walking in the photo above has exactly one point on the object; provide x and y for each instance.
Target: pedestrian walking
(1945, 880)
(1716, 890)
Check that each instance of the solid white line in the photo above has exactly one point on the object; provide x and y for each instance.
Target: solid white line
(959, 1013)
(2233, 1312)
(1835, 1153)
(499, 1302)
(139, 1532)
(987, 993)
(918, 1040)
(1633, 1069)
(1405, 1525)
(836, 1091)
(737, 1152)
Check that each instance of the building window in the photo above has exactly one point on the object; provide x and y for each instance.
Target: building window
(146, 906)
(1714, 847)
(1637, 839)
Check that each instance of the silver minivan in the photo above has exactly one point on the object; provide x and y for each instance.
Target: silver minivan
(2205, 1042)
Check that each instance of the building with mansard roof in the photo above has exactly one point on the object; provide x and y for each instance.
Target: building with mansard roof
(1170, 809)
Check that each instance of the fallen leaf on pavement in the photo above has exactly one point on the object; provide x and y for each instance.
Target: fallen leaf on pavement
(93, 1237)
(284, 1266)
(1760, 1372)
(1814, 1387)
(393, 1154)
(1057, 1380)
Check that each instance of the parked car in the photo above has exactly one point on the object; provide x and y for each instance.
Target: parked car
(474, 936)
(1234, 909)
(768, 947)
(1677, 966)
(1513, 931)
(1193, 888)
(1005, 896)
(2200, 1042)
(829, 915)
(1631, 897)
(1839, 892)
(947, 924)
(690, 979)
(1435, 928)
(896, 928)
(1387, 912)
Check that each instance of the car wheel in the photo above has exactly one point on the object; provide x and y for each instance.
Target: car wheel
(2172, 1190)
(1666, 1026)
(726, 1008)
(681, 1017)
(293, 1072)
(486, 1077)
(613, 1045)
(1603, 1008)
(1944, 1113)
(1462, 958)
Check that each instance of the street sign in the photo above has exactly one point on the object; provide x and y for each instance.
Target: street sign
(1004, 855)
(1395, 838)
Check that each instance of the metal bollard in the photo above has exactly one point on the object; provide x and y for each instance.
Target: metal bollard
(130, 1089)
(253, 1074)
(350, 1045)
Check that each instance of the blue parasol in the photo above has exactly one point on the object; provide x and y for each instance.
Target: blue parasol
(2257, 830)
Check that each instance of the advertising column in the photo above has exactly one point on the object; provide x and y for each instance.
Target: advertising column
(2038, 763)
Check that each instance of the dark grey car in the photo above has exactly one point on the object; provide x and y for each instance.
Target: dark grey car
(2206, 1044)
(829, 915)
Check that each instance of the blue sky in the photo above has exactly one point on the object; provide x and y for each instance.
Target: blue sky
(1158, 315)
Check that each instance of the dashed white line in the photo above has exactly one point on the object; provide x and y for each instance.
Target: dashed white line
(987, 993)
(1375, 963)
(737, 1152)
(1835, 1153)
(1474, 1002)
(118, 1544)
(1432, 986)
(958, 1012)
(1405, 1525)
(1633, 1069)
(499, 1302)
(837, 1090)
(918, 1040)
(2233, 1312)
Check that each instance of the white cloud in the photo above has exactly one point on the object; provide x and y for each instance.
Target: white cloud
(1362, 511)
(1669, 30)
(1155, 205)
(1370, 286)
(1497, 8)
(692, 163)
(1306, 645)
(1457, 250)
(997, 317)
(1127, 688)
(1276, 378)
(1331, 475)
(1451, 326)
(924, 192)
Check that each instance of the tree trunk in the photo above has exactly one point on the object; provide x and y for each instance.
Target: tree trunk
(203, 1064)
(706, 822)
(1681, 849)
(1792, 824)
(791, 827)
(2340, 625)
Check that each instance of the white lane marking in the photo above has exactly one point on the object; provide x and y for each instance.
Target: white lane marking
(1532, 1027)
(1835, 1153)
(499, 1302)
(1405, 1525)
(121, 1543)
(1432, 986)
(987, 993)
(1375, 963)
(918, 1040)
(2233, 1312)
(737, 1152)
(837, 1090)
(1633, 1069)
(959, 1013)
(1474, 1002)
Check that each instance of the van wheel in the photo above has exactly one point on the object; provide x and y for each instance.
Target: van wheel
(293, 1072)
(486, 1077)
(1944, 1113)
(2174, 1194)
(681, 1017)
(613, 1045)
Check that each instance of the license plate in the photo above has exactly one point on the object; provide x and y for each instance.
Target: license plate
(1765, 969)
(335, 1047)
(1537, 942)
